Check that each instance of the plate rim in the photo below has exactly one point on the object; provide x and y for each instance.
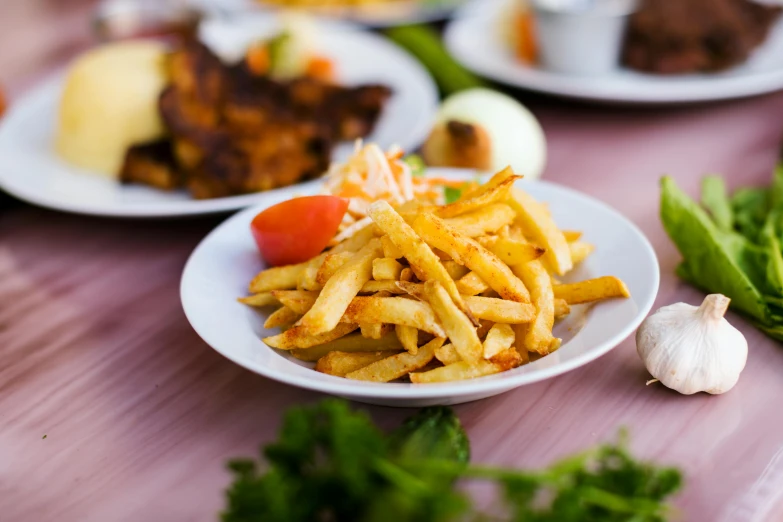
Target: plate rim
(51, 86)
(564, 86)
(422, 15)
(481, 386)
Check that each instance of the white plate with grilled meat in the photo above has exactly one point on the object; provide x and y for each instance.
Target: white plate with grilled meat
(32, 171)
(221, 266)
(477, 40)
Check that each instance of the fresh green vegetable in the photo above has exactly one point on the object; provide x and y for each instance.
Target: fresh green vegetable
(734, 246)
(333, 464)
(416, 164)
(715, 199)
(277, 50)
(424, 43)
(452, 194)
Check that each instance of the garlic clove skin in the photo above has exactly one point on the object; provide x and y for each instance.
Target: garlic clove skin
(692, 349)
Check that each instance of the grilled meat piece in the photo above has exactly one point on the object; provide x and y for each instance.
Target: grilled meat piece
(234, 132)
(151, 164)
(682, 36)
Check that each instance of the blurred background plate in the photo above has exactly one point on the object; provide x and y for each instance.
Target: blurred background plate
(375, 13)
(31, 171)
(477, 39)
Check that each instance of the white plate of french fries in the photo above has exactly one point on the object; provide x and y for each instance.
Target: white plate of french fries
(513, 283)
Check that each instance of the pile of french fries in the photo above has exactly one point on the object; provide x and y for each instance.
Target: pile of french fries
(433, 293)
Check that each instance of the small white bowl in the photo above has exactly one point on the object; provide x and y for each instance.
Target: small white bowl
(221, 266)
(581, 37)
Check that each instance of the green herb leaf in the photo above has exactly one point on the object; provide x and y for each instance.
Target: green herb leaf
(452, 194)
(330, 463)
(416, 164)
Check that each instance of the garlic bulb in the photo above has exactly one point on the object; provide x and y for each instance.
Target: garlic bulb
(692, 349)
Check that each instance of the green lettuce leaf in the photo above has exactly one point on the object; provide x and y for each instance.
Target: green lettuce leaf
(713, 260)
(750, 206)
(715, 199)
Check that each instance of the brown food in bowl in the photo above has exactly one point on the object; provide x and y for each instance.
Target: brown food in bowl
(683, 36)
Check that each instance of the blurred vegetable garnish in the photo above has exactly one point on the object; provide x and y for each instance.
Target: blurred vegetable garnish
(3, 103)
(732, 245)
(334, 464)
(424, 43)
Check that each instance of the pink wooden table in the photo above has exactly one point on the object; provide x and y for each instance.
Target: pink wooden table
(139, 414)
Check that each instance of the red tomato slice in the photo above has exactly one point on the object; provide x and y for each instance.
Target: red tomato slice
(298, 229)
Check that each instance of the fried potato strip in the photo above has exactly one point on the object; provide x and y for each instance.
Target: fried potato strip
(607, 287)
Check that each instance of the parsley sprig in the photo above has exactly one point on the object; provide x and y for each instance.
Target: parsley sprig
(332, 464)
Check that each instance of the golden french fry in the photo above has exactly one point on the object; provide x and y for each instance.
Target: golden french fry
(308, 278)
(258, 300)
(281, 317)
(484, 220)
(340, 289)
(374, 330)
(561, 309)
(409, 338)
(390, 249)
(541, 229)
(607, 287)
(443, 256)
(447, 354)
(331, 264)
(483, 308)
(536, 278)
(349, 343)
(372, 287)
(459, 329)
(469, 253)
(386, 268)
(508, 359)
(299, 301)
(485, 195)
(355, 242)
(458, 371)
(479, 188)
(499, 338)
(500, 310)
(572, 235)
(398, 365)
(511, 251)
(393, 310)
(580, 251)
(416, 251)
(341, 363)
(277, 278)
(407, 275)
(520, 334)
(368, 310)
(298, 337)
(454, 269)
(471, 284)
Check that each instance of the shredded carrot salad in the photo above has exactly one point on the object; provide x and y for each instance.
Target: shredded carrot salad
(371, 174)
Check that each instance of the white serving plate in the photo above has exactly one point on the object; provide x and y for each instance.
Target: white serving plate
(388, 14)
(223, 264)
(476, 40)
(31, 171)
